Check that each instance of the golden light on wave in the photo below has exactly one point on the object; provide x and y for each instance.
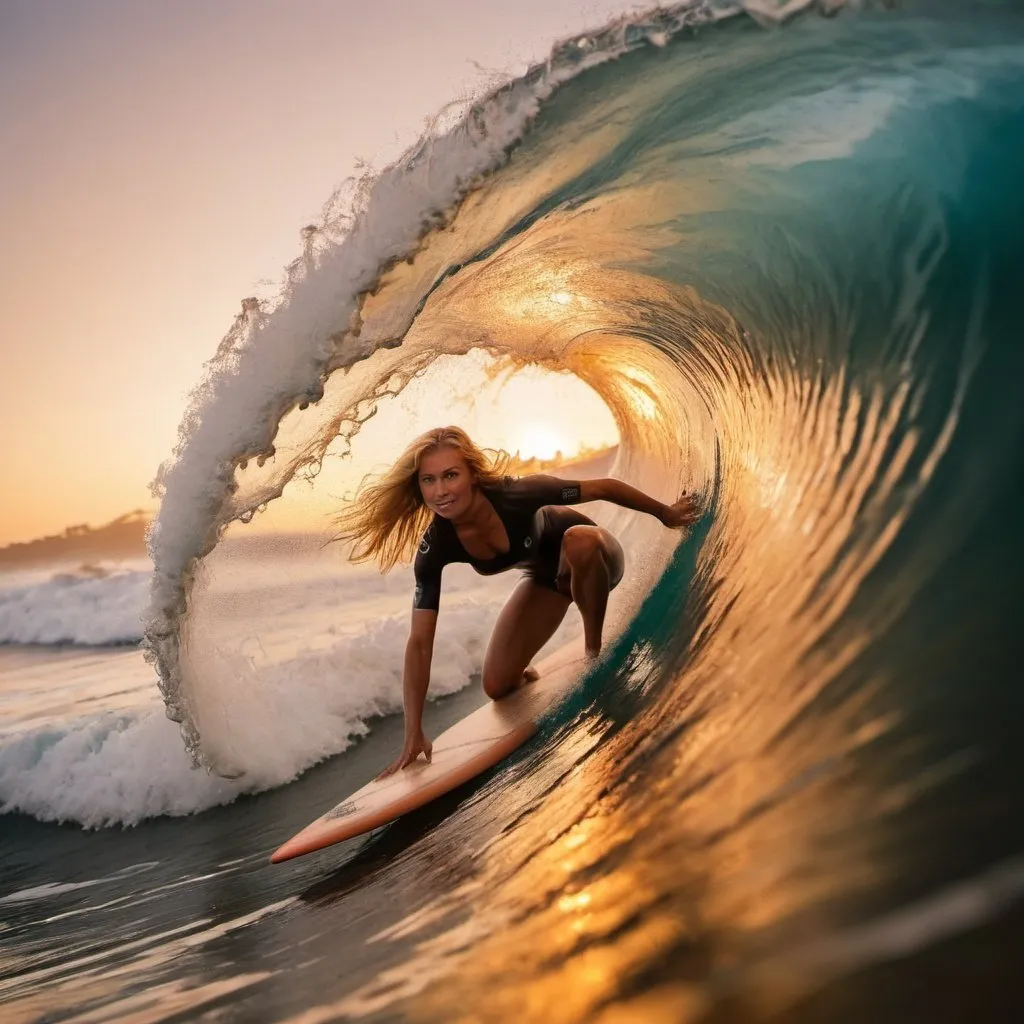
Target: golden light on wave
(641, 392)
(546, 294)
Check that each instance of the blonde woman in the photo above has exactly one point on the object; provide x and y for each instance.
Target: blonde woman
(449, 501)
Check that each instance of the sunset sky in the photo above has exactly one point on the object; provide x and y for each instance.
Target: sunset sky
(159, 161)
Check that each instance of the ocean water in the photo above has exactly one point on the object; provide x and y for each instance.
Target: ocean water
(786, 254)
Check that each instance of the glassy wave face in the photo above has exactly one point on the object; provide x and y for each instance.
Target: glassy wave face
(789, 262)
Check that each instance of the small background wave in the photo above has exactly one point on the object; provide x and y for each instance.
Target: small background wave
(92, 605)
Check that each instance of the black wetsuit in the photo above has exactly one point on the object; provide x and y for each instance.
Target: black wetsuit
(531, 510)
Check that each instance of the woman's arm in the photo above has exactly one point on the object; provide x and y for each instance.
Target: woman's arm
(419, 652)
(682, 513)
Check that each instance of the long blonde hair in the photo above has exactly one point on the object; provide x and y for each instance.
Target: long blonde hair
(387, 517)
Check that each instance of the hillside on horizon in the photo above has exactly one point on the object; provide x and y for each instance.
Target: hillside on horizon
(124, 537)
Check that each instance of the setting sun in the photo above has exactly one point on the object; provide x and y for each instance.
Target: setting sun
(541, 442)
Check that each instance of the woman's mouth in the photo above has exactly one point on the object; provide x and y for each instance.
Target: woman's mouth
(443, 506)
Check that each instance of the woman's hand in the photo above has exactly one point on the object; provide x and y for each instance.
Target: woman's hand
(415, 745)
(683, 513)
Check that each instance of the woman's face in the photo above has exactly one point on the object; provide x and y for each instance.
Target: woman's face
(446, 482)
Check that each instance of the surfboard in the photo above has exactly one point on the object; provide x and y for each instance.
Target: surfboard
(478, 742)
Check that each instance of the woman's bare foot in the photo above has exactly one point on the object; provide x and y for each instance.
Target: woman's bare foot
(529, 675)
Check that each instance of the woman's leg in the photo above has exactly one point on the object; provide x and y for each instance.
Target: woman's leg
(526, 623)
(593, 561)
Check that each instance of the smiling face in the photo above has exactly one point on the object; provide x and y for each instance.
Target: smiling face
(446, 482)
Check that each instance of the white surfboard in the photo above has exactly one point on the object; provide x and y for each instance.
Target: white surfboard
(468, 748)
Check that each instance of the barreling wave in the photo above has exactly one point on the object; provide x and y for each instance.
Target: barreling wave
(789, 263)
(737, 242)
(325, 343)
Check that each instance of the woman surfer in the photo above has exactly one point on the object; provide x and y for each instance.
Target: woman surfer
(450, 501)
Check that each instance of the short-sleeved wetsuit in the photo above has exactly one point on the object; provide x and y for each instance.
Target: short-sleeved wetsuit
(531, 510)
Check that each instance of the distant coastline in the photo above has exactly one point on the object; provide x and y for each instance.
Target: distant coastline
(124, 537)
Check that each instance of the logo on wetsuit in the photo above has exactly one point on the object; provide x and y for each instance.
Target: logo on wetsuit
(424, 546)
(570, 494)
(528, 542)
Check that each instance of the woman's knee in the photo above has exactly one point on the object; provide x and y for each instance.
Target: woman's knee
(496, 684)
(581, 545)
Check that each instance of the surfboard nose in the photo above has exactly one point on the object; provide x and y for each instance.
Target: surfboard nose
(285, 852)
(312, 837)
